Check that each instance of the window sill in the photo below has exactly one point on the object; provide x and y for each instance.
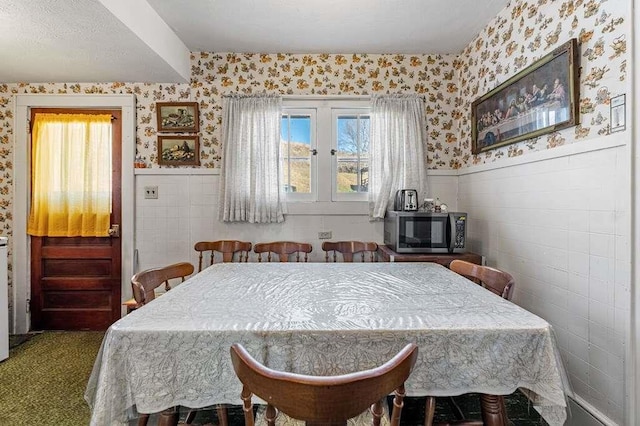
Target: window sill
(351, 208)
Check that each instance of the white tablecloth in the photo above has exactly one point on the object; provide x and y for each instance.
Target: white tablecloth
(322, 318)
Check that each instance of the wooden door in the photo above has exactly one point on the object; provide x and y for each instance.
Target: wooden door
(76, 281)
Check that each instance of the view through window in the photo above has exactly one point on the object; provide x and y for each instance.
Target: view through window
(325, 153)
(352, 154)
(295, 152)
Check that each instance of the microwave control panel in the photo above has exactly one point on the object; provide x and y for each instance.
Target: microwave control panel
(460, 231)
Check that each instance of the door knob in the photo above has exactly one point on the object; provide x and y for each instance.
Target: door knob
(114, 231)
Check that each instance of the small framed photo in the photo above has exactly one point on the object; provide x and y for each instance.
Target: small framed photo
(177, 116)
(178, 151)
(617, 108)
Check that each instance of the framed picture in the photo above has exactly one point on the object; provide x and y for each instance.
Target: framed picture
(617, 112)
(178, 151)
(177, 116)
(540, 99)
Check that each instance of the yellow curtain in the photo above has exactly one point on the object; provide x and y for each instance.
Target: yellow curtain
(71, 175)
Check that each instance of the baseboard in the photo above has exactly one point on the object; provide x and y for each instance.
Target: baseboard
(585, 414)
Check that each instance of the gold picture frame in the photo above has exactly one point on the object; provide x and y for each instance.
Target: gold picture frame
(543, 98)
(177, 117)
(178, 150)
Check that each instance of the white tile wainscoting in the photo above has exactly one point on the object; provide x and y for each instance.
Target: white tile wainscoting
(561, 227)
(186, 211)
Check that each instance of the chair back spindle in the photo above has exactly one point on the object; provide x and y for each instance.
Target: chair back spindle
(283, 249)
(495, 280)
(144, 283)
(348, 249)
(228, 249)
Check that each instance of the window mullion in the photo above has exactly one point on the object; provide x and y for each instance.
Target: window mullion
(314, 158)
(359, 153)
(289, 153)
(325, 159)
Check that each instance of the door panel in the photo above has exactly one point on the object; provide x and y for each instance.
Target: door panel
(89, 300)
(76, 281)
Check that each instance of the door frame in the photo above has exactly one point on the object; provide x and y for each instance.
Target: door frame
(21, 189)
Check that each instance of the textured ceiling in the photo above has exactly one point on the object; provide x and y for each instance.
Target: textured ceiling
(328, 26)
(84, 41)
(72, 41)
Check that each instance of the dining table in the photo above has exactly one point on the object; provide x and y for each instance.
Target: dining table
(324, 319)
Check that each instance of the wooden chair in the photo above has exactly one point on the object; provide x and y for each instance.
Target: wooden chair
(145, 282)
(348, 249)
(500, 283)
(283, 249)
(228, 248)
(329, 400)
(495, 280)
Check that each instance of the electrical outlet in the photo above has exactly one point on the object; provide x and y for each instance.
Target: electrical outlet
(324, 235)
(151, 192)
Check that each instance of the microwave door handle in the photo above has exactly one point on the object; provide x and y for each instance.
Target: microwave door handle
(452, 232)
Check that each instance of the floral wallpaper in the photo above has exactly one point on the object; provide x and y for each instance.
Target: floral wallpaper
(526, 31)
(523, 32)
(216, 74)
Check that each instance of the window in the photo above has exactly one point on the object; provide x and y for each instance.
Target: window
(297, 149)
(351, 152)
(325, 150)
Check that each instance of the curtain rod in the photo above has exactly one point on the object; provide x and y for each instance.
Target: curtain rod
(338, 97)
(327, 97)
(319, 97)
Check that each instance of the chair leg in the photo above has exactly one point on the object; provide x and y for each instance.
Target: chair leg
(223, 419)
(429, 411)
(270, 415)
(143, 419)
(376, 412)
(168, 417)
(494, 412)
(191, 416)
(398, 403)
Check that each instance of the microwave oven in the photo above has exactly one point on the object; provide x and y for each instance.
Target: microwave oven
(424, 232)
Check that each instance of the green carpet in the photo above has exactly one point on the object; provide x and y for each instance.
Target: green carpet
(43, 381)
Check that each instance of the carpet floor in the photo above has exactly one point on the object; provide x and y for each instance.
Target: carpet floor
(44, 379)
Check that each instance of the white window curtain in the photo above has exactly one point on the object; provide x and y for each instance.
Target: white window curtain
(398, 136)
(250, 177)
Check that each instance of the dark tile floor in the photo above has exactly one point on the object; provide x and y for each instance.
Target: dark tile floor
(519, 411)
